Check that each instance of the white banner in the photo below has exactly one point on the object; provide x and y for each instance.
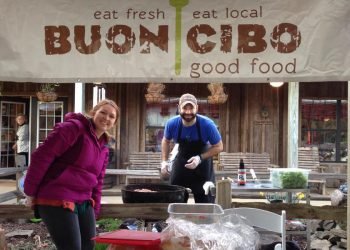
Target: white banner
(174, 40)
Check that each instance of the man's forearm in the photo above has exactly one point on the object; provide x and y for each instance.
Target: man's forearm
(213, 150)
(165, 149)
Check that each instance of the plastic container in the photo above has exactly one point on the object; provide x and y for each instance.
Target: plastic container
(289, 177)
(196, 213)
(131, 240)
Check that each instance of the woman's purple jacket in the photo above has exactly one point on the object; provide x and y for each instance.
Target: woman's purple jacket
(70, 165)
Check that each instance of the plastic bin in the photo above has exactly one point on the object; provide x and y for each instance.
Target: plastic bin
(196, 213)
(131, 240)
(289, 177)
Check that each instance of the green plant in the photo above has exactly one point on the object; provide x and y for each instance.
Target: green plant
(108, 224)
(293, 180)
(48, 87)
(100, 246)
(278, 197)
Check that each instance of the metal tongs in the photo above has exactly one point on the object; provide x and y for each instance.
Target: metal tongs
(255, 179)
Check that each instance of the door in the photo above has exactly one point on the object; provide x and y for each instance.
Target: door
(8, 113)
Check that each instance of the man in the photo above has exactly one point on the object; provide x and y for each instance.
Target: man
(193, 165)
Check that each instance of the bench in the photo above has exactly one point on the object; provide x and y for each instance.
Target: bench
(4, 172)
(308, 158)
(229, 164)
(10, 171)
(141, 165)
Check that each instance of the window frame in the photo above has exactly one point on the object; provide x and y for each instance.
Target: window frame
(338, 130)
(47, 129)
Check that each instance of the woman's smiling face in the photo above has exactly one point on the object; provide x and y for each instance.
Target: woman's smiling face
(20, 120)
(104, 118)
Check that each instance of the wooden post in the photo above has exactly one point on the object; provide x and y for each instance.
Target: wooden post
(3, 245)
(348, 174)
(19, 194)
(223, 193)
(293, 124)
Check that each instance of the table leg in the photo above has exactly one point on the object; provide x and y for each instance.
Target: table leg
(289, 197)
(308, 234)
(308, 224)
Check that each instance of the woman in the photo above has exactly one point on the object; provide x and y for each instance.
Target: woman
(64, 179)
(21, 147)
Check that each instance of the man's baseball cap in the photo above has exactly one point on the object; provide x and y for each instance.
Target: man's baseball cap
(187, 99)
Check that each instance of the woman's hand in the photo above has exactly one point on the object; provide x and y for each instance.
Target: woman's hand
(29, 201)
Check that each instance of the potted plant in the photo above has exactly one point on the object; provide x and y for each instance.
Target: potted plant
(47, 92)
(218, 95)
(154, 92)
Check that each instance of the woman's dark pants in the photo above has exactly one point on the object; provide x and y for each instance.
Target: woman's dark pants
(69, 231)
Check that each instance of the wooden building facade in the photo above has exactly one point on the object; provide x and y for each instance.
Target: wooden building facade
(253, 119)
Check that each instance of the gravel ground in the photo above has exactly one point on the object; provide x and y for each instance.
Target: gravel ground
(39, 239)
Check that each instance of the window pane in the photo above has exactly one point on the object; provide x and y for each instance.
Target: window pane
(58, 119)
(58, 109)
(324, 124)
(8, 113)
(42, 135)
(324, 140)
(153, 139)
(13, 122)
(50, 121)
(4, 109)
(319, 114)
(42, 122)
(42, 109)
(49, 114)
(20, 108)
(12, 108)
(344, 115)
(344, 146)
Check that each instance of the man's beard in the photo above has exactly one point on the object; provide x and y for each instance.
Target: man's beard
(188, 117)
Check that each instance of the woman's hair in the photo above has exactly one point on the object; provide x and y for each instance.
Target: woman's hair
(22, 115)
(102, 103)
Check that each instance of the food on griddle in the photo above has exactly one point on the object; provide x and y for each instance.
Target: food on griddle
(144, 190)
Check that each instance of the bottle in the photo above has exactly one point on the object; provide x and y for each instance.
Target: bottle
(241, 173)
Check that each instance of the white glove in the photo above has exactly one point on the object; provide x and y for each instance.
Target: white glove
(193, 162)
(164, 169)
(28, 201)
(207, 185)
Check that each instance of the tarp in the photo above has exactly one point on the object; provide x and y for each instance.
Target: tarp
(174, 41)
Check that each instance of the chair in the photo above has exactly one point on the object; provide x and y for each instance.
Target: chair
(229, 164)
(265, 220)
(308, 158)
(20, 161)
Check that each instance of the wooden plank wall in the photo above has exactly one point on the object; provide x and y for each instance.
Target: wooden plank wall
(242, 126)
(254, 119)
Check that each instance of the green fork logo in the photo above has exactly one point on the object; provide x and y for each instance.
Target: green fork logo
(178, 4)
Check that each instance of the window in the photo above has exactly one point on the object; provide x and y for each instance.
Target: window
(49, 113)
(324, 125)
(8, 113)
(158, 114)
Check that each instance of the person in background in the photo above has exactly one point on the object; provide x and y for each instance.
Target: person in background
(21, 146)
(64, 180)
(193, 165)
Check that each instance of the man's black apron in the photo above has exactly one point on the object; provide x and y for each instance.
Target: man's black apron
(192, 178)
